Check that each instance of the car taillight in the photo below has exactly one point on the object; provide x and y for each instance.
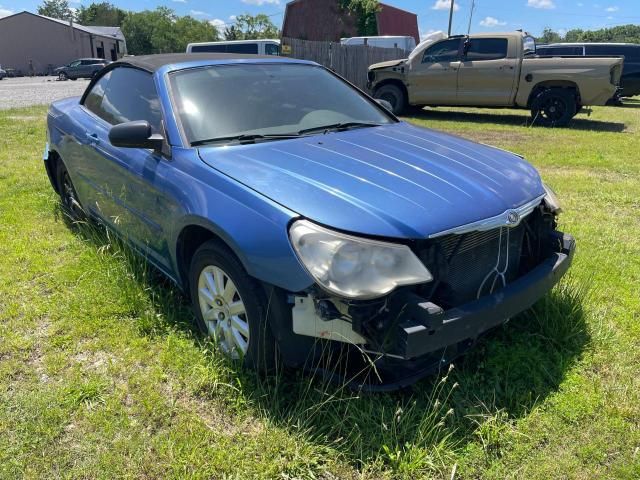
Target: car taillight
(614, 76)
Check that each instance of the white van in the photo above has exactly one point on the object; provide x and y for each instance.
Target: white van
(405, 43)
(247, 47)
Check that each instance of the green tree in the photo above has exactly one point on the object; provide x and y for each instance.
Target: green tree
(104, 14)
(252, 27)
(573, 35)
(621, 33)
(161, 31)
(549, 36)
(232, 33)
(365, 12)
(56, 9)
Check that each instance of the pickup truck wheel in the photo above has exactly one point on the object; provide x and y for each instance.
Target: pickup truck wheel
(230, 307)
(394, 95)
(554, 107)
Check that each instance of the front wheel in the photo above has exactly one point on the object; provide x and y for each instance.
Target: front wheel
(554, 107)
(230, 306)
(63, 76)
(394, 95)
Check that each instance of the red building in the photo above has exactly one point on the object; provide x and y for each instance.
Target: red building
(324, 20)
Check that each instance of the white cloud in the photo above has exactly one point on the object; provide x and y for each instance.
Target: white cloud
(198, 13)
(232, 18)
(262, 2)
(612, 9)
(5, 12)
(180, 1)
(580, 4)
(491, 22)
(219, 24)
(426, 34)
(444, 5)
(546, 4)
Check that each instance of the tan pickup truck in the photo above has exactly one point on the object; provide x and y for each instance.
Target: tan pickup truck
(495, 70)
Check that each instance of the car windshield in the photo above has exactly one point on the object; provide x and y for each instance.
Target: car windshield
(252, 102)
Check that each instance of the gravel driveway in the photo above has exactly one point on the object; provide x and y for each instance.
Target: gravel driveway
(27, 91)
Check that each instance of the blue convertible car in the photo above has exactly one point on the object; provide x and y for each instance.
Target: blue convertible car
(296, 211)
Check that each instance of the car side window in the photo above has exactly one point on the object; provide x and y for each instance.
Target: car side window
(444, 51)
(209, 48)
(243, 48)
(75, 64)
(486, 49)
(128, 94)
(93, 100)
(561, 51)
(271, 49)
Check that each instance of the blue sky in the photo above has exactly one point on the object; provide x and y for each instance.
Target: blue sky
(532, 15)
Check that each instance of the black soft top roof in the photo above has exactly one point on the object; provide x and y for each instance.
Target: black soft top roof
(151, 63)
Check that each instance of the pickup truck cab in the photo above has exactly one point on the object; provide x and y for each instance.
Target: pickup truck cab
(495, 70)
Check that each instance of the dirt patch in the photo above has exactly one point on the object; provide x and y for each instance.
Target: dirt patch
(24, 118)
(98, 361)
(494, 137)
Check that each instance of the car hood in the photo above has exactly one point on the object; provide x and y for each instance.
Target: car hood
(392, 181)
(390, 63)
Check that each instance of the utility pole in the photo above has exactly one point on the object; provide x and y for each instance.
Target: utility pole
(451, 15)
(473, 5)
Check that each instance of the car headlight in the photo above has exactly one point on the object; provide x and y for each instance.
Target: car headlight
(551, 200)
(352, 267)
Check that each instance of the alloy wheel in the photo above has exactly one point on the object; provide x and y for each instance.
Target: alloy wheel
(223, 311)
(553, 108)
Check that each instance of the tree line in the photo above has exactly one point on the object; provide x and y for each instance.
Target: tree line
(621, 33)
(160, 30)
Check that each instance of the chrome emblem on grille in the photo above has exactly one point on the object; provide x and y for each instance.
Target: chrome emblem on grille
(513, 217)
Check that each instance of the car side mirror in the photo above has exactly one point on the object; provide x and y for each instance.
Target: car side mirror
(385, 104)
(136, 134)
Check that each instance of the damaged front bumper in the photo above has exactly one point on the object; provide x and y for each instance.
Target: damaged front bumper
(422, 328)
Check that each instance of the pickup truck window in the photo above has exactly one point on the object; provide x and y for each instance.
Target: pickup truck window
(486, 49)
(560, 51)
(444, 51)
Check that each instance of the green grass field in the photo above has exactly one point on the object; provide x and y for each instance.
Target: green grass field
(101, 375)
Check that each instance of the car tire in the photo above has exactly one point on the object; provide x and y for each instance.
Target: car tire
(230, 306)
(394, 95)
(63, 76)
(68, 196)
(554, 107)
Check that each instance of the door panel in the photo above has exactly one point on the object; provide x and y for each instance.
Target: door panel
(434, 75)
(434, 83)
(126, 190)
(486, 82)
(487, 75)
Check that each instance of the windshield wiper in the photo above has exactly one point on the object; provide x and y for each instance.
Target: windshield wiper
(338, 127)
(245, 138)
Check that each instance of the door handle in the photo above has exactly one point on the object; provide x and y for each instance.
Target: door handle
(92, 138)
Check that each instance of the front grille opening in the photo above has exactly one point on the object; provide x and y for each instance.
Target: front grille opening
(472, 265)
